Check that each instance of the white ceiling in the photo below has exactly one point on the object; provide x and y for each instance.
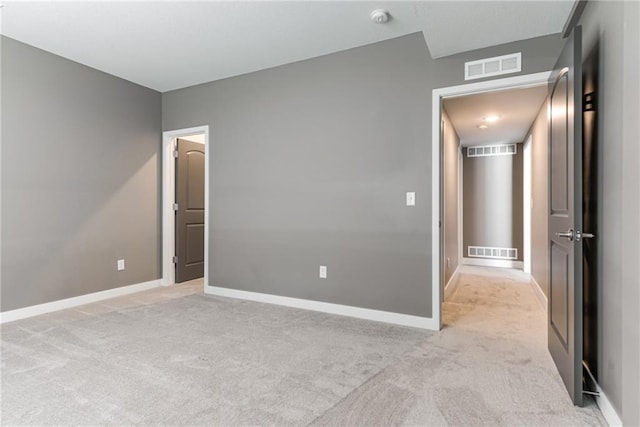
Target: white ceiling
(517, 109)
(167, 45)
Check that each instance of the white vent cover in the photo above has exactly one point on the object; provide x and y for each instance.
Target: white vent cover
(491, 150)
(495, 253)
(495, 66)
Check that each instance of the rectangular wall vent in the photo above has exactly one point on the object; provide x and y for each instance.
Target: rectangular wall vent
(495, 66)
(492, 150)
(495, 253)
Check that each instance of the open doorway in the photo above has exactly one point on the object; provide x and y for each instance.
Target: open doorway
(487, 179)
(185, 185)
(490, 131)
(478, 141)
(567, 146)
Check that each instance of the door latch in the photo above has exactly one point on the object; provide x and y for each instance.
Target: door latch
(580, 235)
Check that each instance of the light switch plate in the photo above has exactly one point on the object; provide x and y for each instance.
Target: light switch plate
(120, 264)
(411, 198)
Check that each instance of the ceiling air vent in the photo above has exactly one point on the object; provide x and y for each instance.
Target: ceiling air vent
(493, 66)
(491, 150)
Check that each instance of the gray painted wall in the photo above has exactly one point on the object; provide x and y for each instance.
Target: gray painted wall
(540, 194)
(310, 165)
(450, 153)
(80, 179)
(612, 28)
(631, 215)
(311, 162)
(492, 201)
(1, 43)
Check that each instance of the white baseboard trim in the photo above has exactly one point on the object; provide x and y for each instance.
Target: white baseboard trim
(603, 402)
(608, 412)
(451, 285)
(542, 298)
(485, 262)
(326, 307)
(36, 310)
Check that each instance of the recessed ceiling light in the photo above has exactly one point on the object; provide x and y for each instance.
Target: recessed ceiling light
(482, 126)
(492, 118)
(380, 16)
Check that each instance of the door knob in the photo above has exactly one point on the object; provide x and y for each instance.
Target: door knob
(568, 234)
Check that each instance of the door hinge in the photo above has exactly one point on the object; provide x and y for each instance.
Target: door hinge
(175, 260)
(175, 206)
(175, 153)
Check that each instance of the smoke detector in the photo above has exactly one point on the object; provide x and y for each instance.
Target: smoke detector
(380, 16)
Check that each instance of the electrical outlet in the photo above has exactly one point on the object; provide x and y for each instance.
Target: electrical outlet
(120, 264)
(323, 271)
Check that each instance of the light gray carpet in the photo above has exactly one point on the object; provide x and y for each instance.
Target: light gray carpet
(488, 366)
(173, 356)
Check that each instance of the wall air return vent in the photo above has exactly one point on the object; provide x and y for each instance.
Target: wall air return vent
(495, 66)
(491, 150)
(494, 253)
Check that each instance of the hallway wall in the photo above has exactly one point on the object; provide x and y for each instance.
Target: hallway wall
(450, 152)
(492, 204)
(540, 194)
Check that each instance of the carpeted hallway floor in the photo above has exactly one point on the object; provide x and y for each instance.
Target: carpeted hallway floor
(173, 356)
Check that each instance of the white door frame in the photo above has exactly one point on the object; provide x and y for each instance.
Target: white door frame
(438, 95)
(168, 199)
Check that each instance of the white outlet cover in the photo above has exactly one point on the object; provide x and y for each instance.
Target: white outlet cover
(323, 271)
(120, 264)
(411, 198)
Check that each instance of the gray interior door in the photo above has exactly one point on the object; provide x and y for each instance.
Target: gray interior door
(565, 216)
(190, 211)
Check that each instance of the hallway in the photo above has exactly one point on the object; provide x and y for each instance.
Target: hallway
(496, 314)
(488, 366)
